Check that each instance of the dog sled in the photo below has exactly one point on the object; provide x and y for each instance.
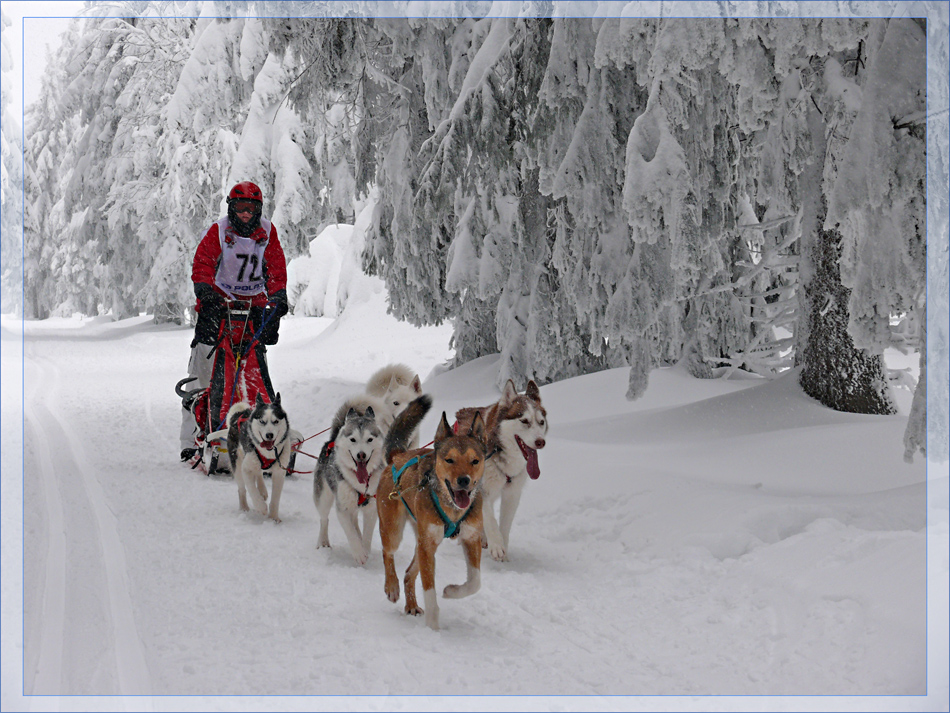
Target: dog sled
(239, 373)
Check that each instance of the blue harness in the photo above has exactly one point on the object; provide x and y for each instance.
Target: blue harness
(450, 527)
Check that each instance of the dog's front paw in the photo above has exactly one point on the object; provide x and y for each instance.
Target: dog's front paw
(323, 543)
(276, 519)
(392, 592)
(415, 610)
(360, 556)
(457, 591)
(498, 553)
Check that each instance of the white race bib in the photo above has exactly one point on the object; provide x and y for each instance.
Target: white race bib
(241, 268)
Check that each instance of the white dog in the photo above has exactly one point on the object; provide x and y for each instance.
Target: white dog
(395, 385)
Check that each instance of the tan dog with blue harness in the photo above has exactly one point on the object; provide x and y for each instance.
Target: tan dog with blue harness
(437, 491)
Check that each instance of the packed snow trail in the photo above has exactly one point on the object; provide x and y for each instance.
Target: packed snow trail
(86, 563)
(47, 669)
(716, 559)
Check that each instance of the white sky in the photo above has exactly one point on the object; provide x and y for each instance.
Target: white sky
(35, 26)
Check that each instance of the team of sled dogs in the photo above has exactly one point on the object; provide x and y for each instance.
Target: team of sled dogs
(372, 465)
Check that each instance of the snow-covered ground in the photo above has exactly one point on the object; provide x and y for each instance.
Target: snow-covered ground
(714, 539)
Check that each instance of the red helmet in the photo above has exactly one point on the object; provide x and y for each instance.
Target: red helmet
(247, 191)
(245, 195)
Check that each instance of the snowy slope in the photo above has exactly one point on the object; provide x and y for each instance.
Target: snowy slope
(725, 538)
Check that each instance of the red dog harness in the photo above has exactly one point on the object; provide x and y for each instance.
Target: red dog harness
(363, 498)
(266, 463)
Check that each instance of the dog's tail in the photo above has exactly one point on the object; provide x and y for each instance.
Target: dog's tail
(235, 412)
(400, 432)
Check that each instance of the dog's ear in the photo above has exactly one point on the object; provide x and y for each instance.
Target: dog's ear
(352, 414)
(260, 400)
(509, 394)
(532, 392)
(444, 431)
(416, 384)
(277, 399)
(369, 413)
(477, 429)
(393, 384)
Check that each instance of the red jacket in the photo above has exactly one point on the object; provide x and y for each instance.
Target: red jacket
(205, 265)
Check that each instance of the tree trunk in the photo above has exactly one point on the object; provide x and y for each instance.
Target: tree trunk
(833, 370)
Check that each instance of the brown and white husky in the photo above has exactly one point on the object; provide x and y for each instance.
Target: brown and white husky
(515, 427)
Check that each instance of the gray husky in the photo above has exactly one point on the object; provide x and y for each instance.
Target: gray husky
(348, 472)
(259, 442)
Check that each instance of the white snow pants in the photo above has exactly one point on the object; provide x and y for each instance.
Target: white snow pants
(200, 364)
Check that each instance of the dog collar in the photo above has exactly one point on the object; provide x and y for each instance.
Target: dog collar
(450, 527)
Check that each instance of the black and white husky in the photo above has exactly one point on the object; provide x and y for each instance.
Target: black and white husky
(259, 442)
(348, 472)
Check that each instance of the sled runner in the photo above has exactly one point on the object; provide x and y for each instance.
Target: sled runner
(239, 373)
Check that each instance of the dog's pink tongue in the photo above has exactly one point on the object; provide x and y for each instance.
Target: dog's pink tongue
(531, 458)
(362, 474)
(533, 469)
(461, 498)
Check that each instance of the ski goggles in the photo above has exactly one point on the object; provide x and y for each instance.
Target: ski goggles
(252, 207)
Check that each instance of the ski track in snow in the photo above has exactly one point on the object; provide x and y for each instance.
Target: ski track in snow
(84, 532)
(47, 668)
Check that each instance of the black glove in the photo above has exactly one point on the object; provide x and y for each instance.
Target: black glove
(210, 311)
(279, 302)
(208, 298)
(270, 316)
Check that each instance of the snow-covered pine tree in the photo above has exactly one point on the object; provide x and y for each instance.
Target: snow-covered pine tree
(833, 370)
(879, 197)
(104, 262)
(203, 120)
(334, 79)
(499, 250)
(681, 191)
(96, 183)
(11, 186)
(136, 209)
(272, 149)
(573, 192)
(416, 170)
(52, 124)
(574, 140)
(642, 163)
(376, 68)
(790, 181)
(555, 343)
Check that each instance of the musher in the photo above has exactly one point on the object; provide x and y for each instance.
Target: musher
(240, 257)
